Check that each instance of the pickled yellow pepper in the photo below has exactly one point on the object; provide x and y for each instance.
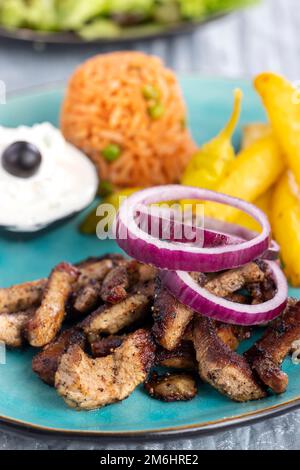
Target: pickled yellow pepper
(250, 175)
(208, 166)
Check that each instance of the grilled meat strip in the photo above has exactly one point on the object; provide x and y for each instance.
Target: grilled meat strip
(118, 281)
(87, 297)
(47, 320)
(21, 296)
(12, 327)
(171, 387)
(108, 280)
(29, 294)
(146, 272)
(45, 363)
(183, 357)
(231, 281)
(93, 269)
(221, 367)
(267, 354)
(170, 318)
(102, 347)
(85, 383)
(232, 335)
(110, 319)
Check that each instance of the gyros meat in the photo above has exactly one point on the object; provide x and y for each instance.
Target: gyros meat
(96, 268)
(102, 347)
(118, 281)
(231, 281)
(46, 362)
(171, 387)
(47, 320)
(182, 357)
(12, 327)
(170, 318)
(85, 383)
(267, 354)
(87, 297)
(221, 367)
(21, 296)
(110, 319)
(232, 335)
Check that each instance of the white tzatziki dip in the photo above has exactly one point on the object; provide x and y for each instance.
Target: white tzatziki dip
(64, 182)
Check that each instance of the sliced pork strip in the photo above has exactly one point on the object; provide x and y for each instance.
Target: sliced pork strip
(231, 281)
(171, 318)
(46, 362)
(171, 387)
(102, 347)
(21, 296)
(118, 281)
(12, 327)
(110, 319)
(221, 367)
(47, 320)
(85, 383)
(267, 354)
(87, 297)
(183, 357)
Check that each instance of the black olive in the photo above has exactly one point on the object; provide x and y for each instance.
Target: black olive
(21, 159)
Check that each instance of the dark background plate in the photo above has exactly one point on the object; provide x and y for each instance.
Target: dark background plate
(72, 38)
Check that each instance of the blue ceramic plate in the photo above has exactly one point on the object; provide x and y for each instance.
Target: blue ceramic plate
(24, 399)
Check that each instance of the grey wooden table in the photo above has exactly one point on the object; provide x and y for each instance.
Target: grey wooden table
(240, 45)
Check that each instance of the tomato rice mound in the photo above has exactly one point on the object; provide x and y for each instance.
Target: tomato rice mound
(130, 102)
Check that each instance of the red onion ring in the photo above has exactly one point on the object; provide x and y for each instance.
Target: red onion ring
(169, 222)
(169, 255)
(187, 291)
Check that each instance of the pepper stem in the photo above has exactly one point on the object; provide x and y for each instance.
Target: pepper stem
(232, 123)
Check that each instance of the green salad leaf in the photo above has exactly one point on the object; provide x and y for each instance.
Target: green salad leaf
(73, 14)
(93, 19)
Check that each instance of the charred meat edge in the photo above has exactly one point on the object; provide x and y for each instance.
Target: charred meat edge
(118, 281)
(171, 386)
(267, 354)
(45, 363)
(170, 318)
(86, 293)
(102, 347)
(232, 335)
(48, 318)
(221, 367)
(85, 383)
(183, 357)
(86, 298)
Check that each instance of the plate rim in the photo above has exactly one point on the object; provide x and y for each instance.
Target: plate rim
(207, 427)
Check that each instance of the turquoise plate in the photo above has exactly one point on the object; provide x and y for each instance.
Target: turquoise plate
(24, 400)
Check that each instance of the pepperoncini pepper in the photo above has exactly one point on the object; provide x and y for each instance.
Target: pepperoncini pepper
(209, 165)
(249, 176)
